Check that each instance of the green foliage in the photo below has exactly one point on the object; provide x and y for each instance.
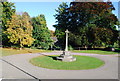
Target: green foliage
(41, 34)
(70, 48)
(19, 30)
(116, 44)
(103, 35)
(90, 24)
(62, 23)
(7, 10)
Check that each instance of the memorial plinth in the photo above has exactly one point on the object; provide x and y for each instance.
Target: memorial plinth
(66, 56)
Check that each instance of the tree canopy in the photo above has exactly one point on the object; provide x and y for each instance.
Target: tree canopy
(89, 23)
(41, 34)
(19, 30)
(7, 10)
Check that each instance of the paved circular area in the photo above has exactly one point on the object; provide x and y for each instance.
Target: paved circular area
(18, 67)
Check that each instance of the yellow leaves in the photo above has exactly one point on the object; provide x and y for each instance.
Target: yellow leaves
(27, 40)
(19, 31)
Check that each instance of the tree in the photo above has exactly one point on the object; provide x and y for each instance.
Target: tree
(19, 30)
(41, 34)
(8, 9)
(52, 33)
(0, 24)
(7, 12)
(62, 19)
(80, 18)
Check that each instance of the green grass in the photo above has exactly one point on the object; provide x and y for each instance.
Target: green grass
(82, 63)
(95, 52)
(7, 52)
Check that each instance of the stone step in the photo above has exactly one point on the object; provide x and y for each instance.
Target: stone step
(66, 59)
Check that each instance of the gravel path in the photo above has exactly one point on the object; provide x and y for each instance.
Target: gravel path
(18, 67)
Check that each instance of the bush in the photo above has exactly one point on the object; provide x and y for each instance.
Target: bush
(109, 49)
(116, 44)
(70, 48)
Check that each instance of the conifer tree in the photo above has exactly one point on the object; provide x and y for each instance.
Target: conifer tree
(7, 10)
(41, 34)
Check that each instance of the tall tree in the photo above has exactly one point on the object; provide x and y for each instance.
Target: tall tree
(19, 30)
(0, 24)
(62, 20)
(8, 9)
(82, 17)
(41, 34)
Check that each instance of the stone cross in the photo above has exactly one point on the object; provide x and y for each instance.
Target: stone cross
(66, 47)
(66, 56)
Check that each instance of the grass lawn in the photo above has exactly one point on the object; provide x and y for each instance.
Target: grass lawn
(95, 52)
(6, 51)
(82, 62)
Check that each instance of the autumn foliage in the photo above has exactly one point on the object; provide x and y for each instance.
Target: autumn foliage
(19, 30)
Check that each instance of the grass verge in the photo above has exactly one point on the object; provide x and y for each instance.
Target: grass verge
(7, 52)
(95, 52)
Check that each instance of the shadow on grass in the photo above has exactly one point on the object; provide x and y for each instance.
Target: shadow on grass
(53, 57)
